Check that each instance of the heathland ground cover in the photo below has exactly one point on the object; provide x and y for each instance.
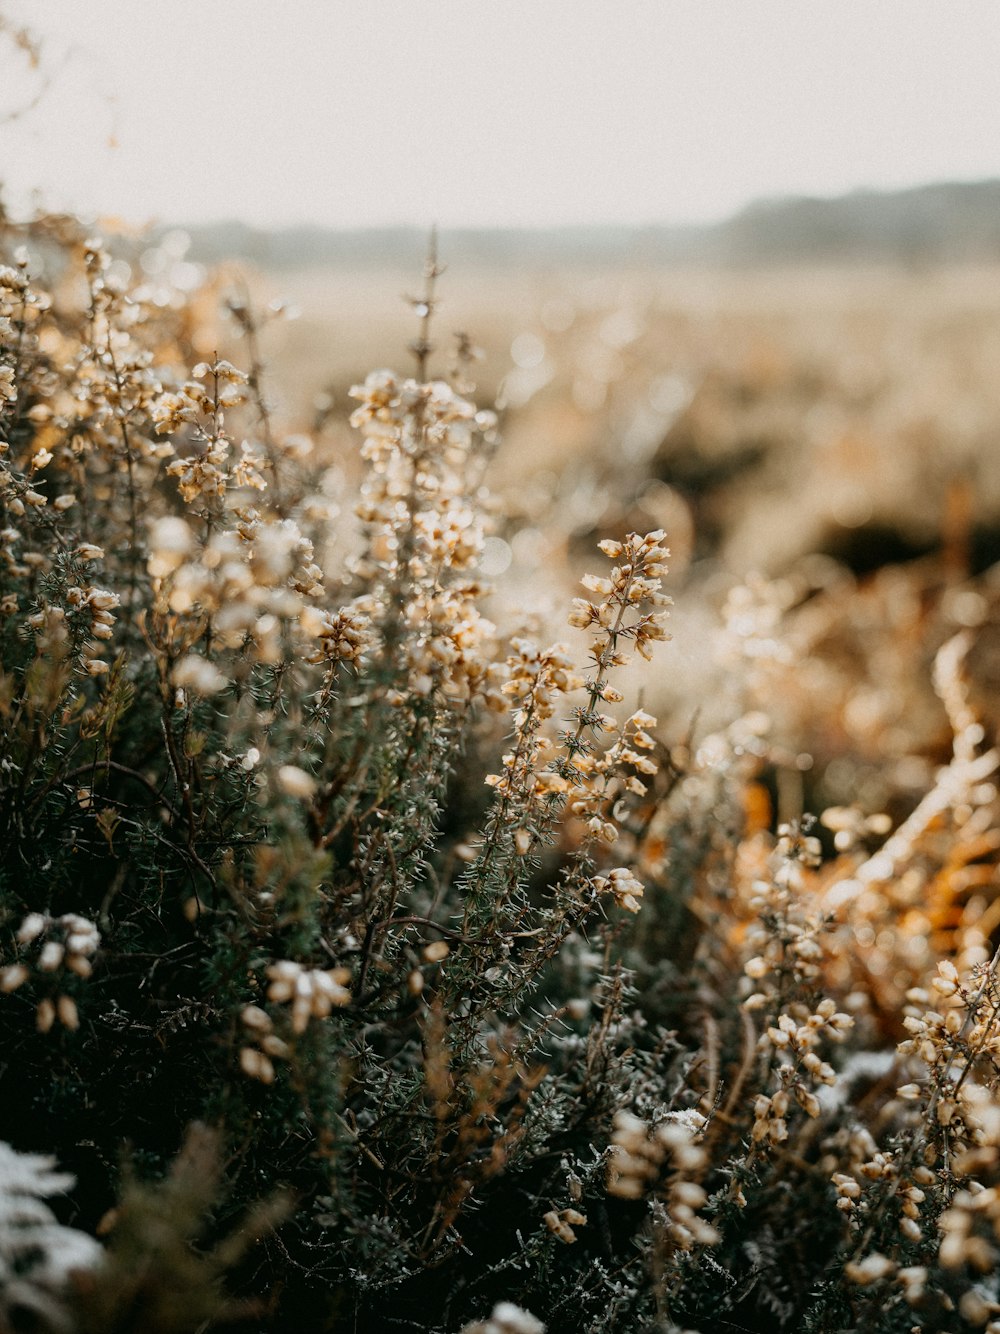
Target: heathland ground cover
(396, 931)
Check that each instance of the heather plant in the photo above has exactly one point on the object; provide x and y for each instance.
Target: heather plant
(366, 963)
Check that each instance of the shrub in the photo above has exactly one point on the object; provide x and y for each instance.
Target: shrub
(369, 967)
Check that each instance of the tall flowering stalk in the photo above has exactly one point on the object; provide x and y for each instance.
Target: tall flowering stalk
(578, 774)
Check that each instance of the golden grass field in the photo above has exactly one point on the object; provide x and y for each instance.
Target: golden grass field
(762, 417)
(867, 395)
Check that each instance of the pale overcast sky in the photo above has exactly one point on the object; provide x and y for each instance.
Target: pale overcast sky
(494, 111)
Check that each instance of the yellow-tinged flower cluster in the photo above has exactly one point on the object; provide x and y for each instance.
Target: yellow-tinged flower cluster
(248, 587)
(785, 937)
(974, 1308)
(313, 992)
(856, 1198)
(198, 410)
(663, 1158)
(784, 941)
(23, 493)
(871, 1269)
(258, 1062)
(15, 295)
(600, 777)
(562, 1222)
(87, 614)
(584, 772)
(958, 1044)
(415, 498)
(631, 612)
(423, 517)
(970, 1230)
(343, 636)
(93, 386)
(622, 885)
(449, 647)
(628, 605)
(638, 1151)
(873, 1178)
(114, 376)
(64, 944)
(537, 681)
(390, 408)
(794, 1039)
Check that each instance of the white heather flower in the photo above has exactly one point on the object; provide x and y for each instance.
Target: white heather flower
(295, 782)
(506, 1318)
(561, 1224)
(313, 992)
(870, 1269)
(623, 886)
(31, 928)
(256, 1065)
(198, 674)
(256, 1018)
(72, 940)
(170, 542)
(51, 956)
(13, 976)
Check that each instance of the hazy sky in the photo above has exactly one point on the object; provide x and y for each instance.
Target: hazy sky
(494, 111)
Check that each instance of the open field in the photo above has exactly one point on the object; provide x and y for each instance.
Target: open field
(761, 416)
(793, 410)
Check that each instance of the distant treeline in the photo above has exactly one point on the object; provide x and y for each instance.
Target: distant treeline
(928, 224)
